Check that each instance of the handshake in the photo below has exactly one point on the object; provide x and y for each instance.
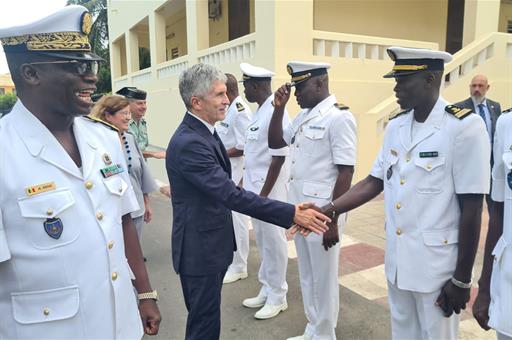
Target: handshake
(309, 218)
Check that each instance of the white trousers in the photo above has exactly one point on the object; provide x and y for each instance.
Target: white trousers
(415, 316)
(273, 249)
(318, 270)
(241, 225)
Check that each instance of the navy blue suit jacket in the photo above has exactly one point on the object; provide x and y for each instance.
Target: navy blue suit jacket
(203, 195)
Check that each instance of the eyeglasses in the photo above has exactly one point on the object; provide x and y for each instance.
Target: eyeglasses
(80, 67)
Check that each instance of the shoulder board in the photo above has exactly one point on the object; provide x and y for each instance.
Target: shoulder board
(240, 107)
(394, 115)
(507, 111)
(96, 120)
(457, 111)
(341, 106)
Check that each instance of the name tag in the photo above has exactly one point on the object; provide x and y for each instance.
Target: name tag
(112, 170)
(254, 128)
(314, 127)
(429, 154)
(40, 188)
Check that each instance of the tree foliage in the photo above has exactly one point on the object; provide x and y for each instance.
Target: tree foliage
(98, 39)
(7, 101)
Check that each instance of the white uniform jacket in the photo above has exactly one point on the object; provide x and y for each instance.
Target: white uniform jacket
(422, 178)
(320, 139)
(258, 155)
(63, 269)
(232, 133)
(500, 310)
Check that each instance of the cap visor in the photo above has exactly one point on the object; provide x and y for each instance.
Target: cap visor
(73, 55)
(394, 74)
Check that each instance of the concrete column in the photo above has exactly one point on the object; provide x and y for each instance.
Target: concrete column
(157, 38)
(198, 35)
(481, 17)
(132, 51)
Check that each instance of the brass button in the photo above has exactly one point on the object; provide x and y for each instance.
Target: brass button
(445, 241)
(297, 145)
(49, 212)
(398, 206)
(316, 194)
(398, 231)
(99, 215)
(429, 167)
(110, 245)
(120, 189)
(46, 312)
(408, 159)
(88, 185)
(291, 178)
(114, 276)
(293, 162)
(402, 181)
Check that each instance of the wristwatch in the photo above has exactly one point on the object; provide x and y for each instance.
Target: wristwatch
(461, 284)
(149, 295)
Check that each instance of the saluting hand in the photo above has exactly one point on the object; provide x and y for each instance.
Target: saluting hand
(281, 96)
(150, 315)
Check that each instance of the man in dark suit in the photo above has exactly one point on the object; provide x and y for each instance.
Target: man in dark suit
(488, 109)
(199, 172)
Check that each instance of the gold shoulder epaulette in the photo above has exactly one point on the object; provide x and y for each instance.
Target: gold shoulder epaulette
(341, 106)
(507, 111)
(240, 107)
(96, 120)
(458, 112)
(394, 115)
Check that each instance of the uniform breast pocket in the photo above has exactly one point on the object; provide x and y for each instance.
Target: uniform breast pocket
(115, 185)
(222, 129)
(251, 139)
(431, 174)
(49, 219)
(315, 138)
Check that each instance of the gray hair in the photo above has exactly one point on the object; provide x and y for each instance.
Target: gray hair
(196, 81)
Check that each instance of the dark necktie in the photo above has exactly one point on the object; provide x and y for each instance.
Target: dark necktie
(221, 147)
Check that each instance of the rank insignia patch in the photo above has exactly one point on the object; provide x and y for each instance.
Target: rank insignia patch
(509, 180)
(53, 227)
(239, 107)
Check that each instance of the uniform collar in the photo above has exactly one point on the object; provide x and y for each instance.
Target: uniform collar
(40, 142)
(431, 125)
(319, 110)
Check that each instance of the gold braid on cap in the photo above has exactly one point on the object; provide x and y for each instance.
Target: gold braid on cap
(60, 41)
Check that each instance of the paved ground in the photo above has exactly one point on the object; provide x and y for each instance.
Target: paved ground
(364, 311)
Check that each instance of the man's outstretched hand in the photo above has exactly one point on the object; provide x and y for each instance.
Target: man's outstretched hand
(308, 218)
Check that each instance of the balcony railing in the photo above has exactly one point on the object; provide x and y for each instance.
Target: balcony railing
(237, 50)
(352, 46)
(141, 76)
(172, 68)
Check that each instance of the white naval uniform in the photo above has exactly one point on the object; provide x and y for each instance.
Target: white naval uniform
(320, 139)
(77, 286)
(500, 309)
(422, 177)
(232, 133)
(270, 239)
